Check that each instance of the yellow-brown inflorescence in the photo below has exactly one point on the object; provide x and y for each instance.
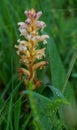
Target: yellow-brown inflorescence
(27, 49)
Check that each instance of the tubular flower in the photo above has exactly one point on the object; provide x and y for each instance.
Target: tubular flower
(28, 49)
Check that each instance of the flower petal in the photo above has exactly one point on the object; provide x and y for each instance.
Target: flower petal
(43, 37)
(40, 65)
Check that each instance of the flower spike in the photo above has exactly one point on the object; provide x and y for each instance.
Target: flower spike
(30, 56)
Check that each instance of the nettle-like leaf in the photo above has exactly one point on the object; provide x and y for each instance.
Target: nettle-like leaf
(44, 110)
(61, 104)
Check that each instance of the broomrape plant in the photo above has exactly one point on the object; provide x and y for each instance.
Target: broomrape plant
(47, 103)
(31, 57)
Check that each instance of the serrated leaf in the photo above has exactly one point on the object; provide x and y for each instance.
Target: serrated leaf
(44, 110)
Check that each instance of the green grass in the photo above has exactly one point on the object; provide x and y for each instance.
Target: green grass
(19, 111)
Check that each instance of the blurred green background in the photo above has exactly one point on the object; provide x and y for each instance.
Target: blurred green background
(60, 17)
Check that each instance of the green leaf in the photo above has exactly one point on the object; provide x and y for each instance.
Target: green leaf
(17, 114)
(68, 116)
(65, 110)
(58, 75)
(9, 114)
(44, 110)
(56, 92)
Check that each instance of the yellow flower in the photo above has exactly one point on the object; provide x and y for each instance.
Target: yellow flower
(27, 49)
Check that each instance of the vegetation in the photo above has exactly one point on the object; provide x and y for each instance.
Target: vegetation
(53, 105)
